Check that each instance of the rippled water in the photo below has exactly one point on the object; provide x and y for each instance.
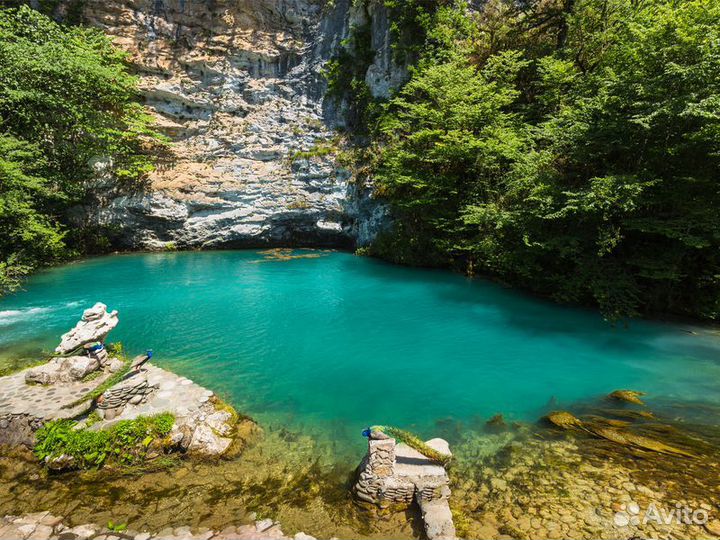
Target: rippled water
(334, 343)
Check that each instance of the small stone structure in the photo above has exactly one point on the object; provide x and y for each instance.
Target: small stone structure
(393, 474)
(87, 340)
(54, 390)
(133, 391)
(95, 325)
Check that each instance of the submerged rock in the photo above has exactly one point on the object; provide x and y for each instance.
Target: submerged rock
(628, 438)
(497, 422)
(564, 420)
(629, 396)
(612, 431)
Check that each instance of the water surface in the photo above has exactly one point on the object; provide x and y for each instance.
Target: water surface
(331, 344)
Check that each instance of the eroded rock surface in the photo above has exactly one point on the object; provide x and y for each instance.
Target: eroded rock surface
(95, 325)
(73, 368)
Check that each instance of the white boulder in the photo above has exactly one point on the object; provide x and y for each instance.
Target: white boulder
(73, 368)
(205, 441)
(95, 325)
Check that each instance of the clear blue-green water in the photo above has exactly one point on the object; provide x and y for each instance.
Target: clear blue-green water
(334, 343)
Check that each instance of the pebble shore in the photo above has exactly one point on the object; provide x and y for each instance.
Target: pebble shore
(45, 526)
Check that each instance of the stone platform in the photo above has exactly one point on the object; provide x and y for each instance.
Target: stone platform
(199, 426)
(17, 397)
(394, 475)
(40, 394)
(170, 393)
(24, 407)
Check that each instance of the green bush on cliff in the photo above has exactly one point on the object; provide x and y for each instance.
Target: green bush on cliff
(124, 443)
(569, 147)
(68, 117)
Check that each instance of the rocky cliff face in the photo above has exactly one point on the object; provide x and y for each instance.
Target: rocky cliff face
(238, 87)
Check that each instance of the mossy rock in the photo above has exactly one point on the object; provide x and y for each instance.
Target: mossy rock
(564, 420)
(628, 396)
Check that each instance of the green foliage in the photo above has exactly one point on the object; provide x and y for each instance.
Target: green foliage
(572, 148)
(93, 418)
(412, 20)
(116, 527)
(346, 77)
(67, 88)
(448, 137)
(68, 117)
(28, 236)
(124, 443)
(317, 151)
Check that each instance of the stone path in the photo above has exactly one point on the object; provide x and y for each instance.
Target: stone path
(431, 493)
(172, 393)
(45, 526)
(44, 402)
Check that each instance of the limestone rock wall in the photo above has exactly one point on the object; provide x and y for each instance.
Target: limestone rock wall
(238, 87)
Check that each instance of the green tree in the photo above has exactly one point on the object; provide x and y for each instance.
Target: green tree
(70, 125)
(584, 167)
(446, 138)
(616, 203)
(68, 90)
(28, 237)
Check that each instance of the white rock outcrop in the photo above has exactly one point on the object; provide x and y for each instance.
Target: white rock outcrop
(239, 89)
(95, 325)
(73, 368)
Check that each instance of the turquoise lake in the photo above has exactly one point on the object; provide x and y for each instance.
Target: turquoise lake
(335, 343)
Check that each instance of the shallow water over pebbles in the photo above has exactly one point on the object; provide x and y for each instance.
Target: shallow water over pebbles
(316, 348)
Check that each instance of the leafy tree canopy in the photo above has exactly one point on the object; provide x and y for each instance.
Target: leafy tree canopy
(570, 147)
(70, 126)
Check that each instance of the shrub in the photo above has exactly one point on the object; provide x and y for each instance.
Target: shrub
(124, 443)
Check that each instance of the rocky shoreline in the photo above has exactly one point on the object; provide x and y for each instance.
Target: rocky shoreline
(45, 526)
(86, 384)
(513, 484)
